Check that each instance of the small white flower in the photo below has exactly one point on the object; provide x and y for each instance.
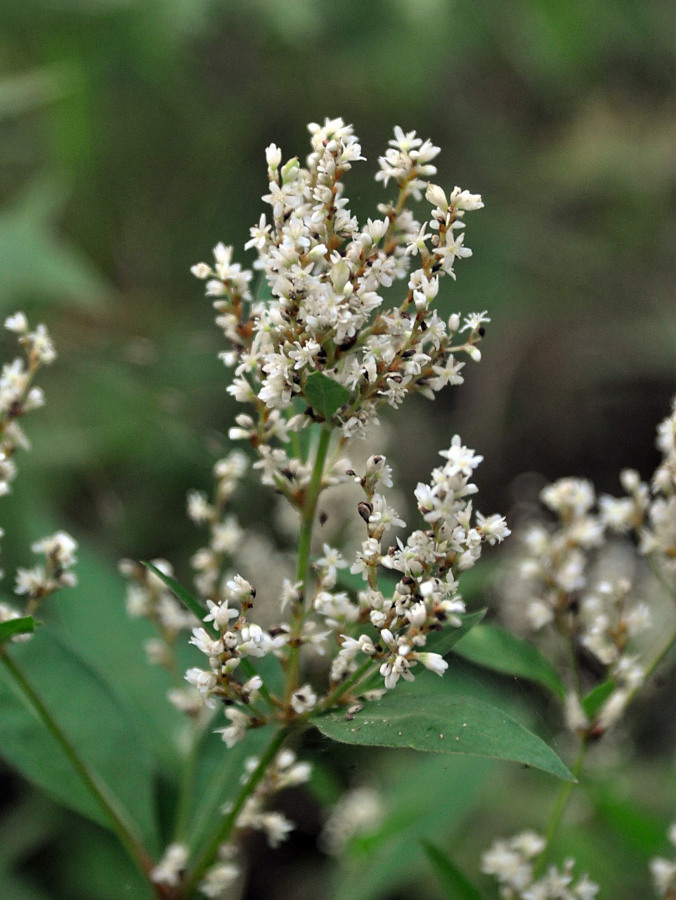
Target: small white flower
(170, 868)
(433, 661)
(17, 323)
(303, 700)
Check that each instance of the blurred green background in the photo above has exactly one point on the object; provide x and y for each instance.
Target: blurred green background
(131, 140)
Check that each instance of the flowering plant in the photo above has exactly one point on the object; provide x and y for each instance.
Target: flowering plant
(317, 352)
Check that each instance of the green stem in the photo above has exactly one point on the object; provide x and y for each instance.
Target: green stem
(364, 671)
(310, 507)
(187, 785)
(654, 663)
(226, 826)
(122, 828)
(559, 808)
(303, 565)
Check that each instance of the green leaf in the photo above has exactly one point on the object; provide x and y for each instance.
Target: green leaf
(324, 394)
(38, 262)
(443, 641)
(447, 725)
(497, 649)
(185, 597)
(636, 827)
(26, 91)
(454, 883)
(22, 625)
(95, 721)
(390, 861)
(595, 699)
(262, 291)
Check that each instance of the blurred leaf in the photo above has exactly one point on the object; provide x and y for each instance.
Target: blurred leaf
(595, 699)
(635, 826)
(91, 865)
(35, 261)
(91, 619)
(26, 823)
(22, 625)
(94, 720)
(27, 90)
(497, 649)
(448, 725)
(431, 805)
(324, 394)
(454, 883)
(19, 888)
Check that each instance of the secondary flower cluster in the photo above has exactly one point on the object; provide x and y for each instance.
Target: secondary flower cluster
(386, 628)
(149, 597)
(18, 396)
(578, 582)
(510, 862)
(284, 772)
(426, 596)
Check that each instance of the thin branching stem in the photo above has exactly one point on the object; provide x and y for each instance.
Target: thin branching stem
(226, 826)
(559, 809)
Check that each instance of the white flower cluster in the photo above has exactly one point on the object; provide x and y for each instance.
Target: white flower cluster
(284, 772)
(325, 314)
(510, 862)
(19, 396)
(325, 319)
(649, 510)
(358, 812)
(559, 571)
(663, 871)
(426, 596)
(225, 534)
(148, 597)
(40, 581)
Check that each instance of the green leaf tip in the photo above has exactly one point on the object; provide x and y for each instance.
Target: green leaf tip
(186, 598)
(324, 394)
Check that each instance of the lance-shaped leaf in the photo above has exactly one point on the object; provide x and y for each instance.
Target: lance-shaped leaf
(21, 625)
(324, 394)
(595, 699)
(444, 641)
(94, 720)
(501, 651)
(185, 597)
(442, 724)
